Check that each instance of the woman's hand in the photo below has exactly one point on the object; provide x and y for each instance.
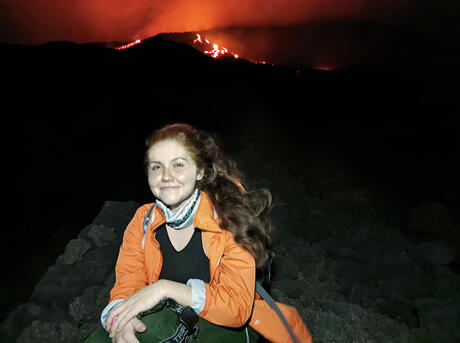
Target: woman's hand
(128, 333)
(140, 301)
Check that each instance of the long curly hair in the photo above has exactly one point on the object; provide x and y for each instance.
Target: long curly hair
(242, 212)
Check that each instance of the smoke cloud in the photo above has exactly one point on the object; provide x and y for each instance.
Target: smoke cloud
(39, 21)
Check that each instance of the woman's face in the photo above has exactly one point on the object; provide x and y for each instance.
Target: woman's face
(172, 173)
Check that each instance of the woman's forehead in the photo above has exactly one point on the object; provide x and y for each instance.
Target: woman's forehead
(168, 149)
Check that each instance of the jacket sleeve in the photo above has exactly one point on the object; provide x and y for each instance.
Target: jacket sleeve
(230, 294)
(267, 323)
(130, 268)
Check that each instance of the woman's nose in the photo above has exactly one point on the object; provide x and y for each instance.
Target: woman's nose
(167, 175)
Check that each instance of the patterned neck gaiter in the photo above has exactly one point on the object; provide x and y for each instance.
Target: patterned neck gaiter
(183, 216)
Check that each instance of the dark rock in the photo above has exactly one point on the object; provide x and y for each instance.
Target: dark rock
(287, 289)
(40, 332)
(102, 235)
(351, 272)
(110, 279)
(400, 310)
(34, 310)
(87, 307)
(369, 252)
(92, 270)
(66, 303)
(285, 267)
(59, 284)
(74, 250)
(430, 217)
(447, 284)
(439, 314)
(392, 239)
(116, 214)
(395, 263)
(434, 253)
(410, 287)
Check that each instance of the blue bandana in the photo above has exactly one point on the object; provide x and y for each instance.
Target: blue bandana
(183, 216)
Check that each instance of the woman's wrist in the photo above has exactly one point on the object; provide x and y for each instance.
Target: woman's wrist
(161, 288)
(180, 292)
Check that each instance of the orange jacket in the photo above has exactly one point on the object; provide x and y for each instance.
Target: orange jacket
(230, 295)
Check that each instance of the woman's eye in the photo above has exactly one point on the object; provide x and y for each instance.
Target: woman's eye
(154, 167)
(178, 165)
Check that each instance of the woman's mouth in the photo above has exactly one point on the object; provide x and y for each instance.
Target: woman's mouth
(169, 188)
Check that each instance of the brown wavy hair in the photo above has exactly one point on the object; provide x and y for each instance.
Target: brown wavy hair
(242, 212)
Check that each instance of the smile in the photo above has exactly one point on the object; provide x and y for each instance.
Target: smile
(169, 188)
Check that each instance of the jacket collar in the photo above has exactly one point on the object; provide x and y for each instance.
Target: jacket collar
(205, 218)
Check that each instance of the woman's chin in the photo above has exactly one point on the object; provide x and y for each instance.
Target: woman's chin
(171, 202)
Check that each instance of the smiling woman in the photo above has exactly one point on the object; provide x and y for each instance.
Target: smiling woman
(194, 251)
(172, 173)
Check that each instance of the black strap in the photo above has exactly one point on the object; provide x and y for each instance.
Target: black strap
(187, 327)
(187, 321)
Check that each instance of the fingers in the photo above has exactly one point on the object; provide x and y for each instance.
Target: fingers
(138, 325)
(127, 335)
(122, 318)
(121, 315)
(111, 318)
(137, 302)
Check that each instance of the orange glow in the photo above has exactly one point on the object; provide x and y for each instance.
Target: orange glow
(323, 67)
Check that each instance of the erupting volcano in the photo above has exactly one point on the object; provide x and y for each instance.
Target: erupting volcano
(202, 44)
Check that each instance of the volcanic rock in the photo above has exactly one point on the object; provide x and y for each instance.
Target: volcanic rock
(348, 287)
(434, 253)
(75, 250)
(102, 235)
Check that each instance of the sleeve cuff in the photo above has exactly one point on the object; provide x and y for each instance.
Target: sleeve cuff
(198, 294)
(105, 313)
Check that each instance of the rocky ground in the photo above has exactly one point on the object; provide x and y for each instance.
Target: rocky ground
(359, 263)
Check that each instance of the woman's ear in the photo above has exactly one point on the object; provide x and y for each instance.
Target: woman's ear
(200, 174)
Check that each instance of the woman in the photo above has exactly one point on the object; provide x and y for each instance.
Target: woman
(199, 244)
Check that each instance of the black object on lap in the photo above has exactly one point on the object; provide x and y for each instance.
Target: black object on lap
(187, 321)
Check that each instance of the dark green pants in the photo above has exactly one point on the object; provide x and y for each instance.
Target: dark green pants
(163, 324)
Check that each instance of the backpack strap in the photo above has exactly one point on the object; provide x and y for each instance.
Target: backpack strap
(264, 294)
(264, 278)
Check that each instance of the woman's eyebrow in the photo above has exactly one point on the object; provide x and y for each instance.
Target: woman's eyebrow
(174, 159)
(179, 158)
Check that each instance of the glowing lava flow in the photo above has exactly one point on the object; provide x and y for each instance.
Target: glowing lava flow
(126, 46)
(216, 51)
